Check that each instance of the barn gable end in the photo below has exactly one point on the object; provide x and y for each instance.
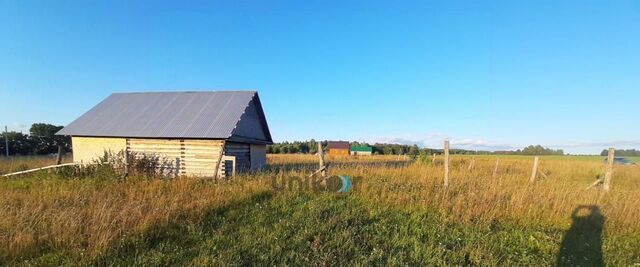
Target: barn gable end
(252, 125)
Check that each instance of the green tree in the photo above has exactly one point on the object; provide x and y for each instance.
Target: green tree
(45, 141)
(44, 129)
(19, 143)
(622, 152)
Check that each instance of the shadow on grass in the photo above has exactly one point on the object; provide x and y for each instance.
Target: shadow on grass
(582, 243)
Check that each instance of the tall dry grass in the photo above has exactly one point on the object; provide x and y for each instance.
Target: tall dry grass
(42, 212)
(475, 196)
(22, 163)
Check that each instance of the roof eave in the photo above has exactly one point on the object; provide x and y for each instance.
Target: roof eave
(241, 139)
(147, 137)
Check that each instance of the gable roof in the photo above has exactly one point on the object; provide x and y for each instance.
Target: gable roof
(196, 115)
(338, 145)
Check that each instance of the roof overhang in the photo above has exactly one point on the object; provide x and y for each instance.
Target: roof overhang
(240, 139)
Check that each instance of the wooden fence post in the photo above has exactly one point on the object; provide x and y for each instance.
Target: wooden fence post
(59, 157)
(446, 163)
(6, 140)
(321, 160)
(126, 163)
(535, 169)
(609, 173)
(495, 169)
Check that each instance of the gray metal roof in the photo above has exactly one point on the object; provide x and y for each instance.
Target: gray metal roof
(207, 115)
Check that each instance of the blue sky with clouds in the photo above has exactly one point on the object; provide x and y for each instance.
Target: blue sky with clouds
(486, 75)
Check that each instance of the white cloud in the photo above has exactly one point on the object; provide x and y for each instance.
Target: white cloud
(435, 140)
(18, 127)
(478, 144)
(616, 143)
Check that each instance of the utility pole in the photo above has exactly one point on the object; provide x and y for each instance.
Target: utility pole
(6, 140)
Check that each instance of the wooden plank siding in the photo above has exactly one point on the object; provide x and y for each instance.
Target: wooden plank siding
(242, 153)
(339, 151)
(189, 157)
(90, 149)
(258, 156)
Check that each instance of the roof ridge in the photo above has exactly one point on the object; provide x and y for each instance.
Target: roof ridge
(169, 92)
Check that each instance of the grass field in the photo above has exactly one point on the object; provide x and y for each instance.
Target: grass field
(398, 213)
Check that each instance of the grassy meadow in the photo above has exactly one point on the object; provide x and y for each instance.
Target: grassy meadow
(397, 213)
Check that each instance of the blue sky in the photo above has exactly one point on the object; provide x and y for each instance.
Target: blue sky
(492, 75)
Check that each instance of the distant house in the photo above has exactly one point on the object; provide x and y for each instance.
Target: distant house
(338, 148)
(200, 133)
(361, 150)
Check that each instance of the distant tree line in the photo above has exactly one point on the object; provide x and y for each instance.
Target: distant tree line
(532, 150)
(297, 147)
(41, 140)
(623, 152)
(311, 147)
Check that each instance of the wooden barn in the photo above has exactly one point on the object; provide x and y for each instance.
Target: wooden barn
(340, 148)
(199, 133)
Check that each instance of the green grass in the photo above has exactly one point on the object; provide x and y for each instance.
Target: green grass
(329, 229)
(306, 229)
